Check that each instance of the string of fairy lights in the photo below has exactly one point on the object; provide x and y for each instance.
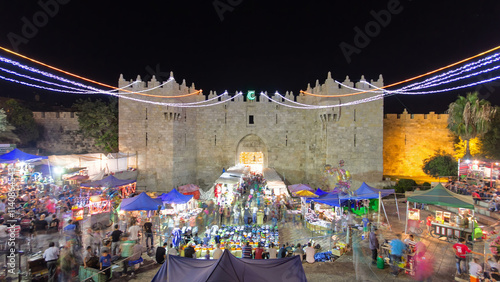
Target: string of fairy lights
(23, 74)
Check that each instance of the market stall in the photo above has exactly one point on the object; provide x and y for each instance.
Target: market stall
(274, 182)
(190, 189)
(458, 226)
(181, 209)
(319, 214)
(124, 186)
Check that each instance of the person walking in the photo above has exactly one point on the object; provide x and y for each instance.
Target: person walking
(227, 212)
(254, 214)
(374, 245)
(266, 213)
(236, 216)
(51, 255)
(105, 264)
(428, 223)
(460, 251)
(273, 253)
(258, 252)
(217, 252)
(397, 247)
(115, 240)
(148, 231)
(246, 251)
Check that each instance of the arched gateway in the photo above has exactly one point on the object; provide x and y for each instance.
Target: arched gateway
(251, 151)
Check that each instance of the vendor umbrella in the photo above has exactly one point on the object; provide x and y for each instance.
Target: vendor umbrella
(298, 187)
(305, 193)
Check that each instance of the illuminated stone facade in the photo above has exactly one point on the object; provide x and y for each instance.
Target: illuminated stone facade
(411, 138)
(177, 146)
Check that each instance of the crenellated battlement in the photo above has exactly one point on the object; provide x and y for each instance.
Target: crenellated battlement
(431, 117)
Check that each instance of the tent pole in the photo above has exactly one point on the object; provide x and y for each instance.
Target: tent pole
(397, 206)
(388, 223)
(379, 207)
(406, 220)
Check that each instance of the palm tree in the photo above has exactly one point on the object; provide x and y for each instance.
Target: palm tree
(470, 117)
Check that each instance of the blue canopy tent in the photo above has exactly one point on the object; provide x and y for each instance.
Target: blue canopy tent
(109, 181)
(367, 192)
(174, 197)
(320, 192)
(142, 202)
(230, 268)
(18, 155)
(335, 200)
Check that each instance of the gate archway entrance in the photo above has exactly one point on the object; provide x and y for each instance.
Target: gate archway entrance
(252, 152)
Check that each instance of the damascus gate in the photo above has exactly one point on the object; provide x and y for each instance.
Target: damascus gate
(211, 132)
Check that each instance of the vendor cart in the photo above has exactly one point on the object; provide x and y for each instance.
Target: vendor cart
(450, 231)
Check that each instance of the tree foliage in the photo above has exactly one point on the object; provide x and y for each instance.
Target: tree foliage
(21, 118)
(475, 147)
(470, 117)
(99, 120)
(491, 140)
(6, 130)
(441, 164)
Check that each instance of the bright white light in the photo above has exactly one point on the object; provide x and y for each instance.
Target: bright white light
(58, 170)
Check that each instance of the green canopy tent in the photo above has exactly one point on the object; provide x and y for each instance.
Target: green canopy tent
(440, 196)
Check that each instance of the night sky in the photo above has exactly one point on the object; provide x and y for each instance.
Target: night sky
(260, 45)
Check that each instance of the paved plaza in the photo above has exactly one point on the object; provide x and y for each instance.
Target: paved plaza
(356, 264)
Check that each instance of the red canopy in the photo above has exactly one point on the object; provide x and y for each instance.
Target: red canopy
(188, 188)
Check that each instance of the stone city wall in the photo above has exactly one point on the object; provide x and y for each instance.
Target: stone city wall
(411, 138)
(60, 134)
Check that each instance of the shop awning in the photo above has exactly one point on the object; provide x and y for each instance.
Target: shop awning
(442, 197)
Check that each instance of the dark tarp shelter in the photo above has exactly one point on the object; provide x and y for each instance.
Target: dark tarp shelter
(18, 155)
(142, 202)
(174, 197)
(442, 197)
(109, 182)
(229, 268)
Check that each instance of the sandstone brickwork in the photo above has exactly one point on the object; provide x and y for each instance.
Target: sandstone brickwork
(177, 146)
(411, 138)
